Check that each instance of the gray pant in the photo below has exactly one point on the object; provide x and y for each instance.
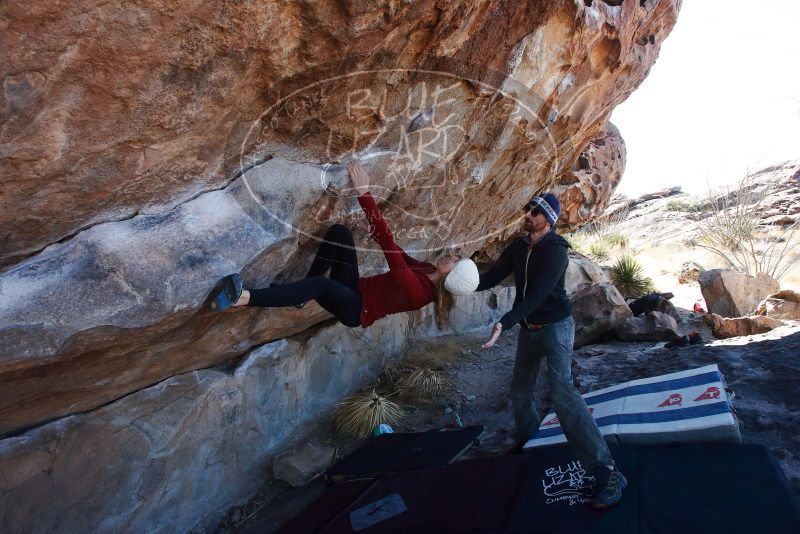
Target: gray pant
(554, 342)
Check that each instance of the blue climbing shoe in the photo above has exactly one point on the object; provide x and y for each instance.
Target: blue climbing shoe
(226, 292)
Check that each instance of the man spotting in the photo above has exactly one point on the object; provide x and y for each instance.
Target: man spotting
(539, 262)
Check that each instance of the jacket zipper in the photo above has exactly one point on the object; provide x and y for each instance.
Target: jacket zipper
(525, 286)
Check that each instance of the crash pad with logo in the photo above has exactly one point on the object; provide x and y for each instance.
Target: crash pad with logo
(727, 487)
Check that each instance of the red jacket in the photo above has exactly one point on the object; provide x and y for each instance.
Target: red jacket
(405, 287)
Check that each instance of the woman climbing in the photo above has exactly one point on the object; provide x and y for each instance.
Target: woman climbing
(409, 285)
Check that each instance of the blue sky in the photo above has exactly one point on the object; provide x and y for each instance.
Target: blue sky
(723, 98)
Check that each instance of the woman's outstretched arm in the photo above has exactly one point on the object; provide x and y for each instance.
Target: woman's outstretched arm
(377, 225)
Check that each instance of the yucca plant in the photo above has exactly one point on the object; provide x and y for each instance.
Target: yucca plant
(628, 277)
(359, 414)
(422, 382)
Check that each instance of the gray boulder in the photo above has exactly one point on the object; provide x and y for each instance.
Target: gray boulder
(730, 293)
(653, 326)
(724, 328)
(303, 463)
(782, 305)
(597, 309)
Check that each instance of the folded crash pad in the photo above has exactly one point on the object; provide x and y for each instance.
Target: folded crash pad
(683, 407)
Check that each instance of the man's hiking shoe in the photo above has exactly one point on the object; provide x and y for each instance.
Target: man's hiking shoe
(298, 306)
(226, 293)
(695, 338)
(608, 486)
(677, 341)
(518, 447)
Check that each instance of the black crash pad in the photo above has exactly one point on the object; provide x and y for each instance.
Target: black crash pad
(731, 488)
(412, 451)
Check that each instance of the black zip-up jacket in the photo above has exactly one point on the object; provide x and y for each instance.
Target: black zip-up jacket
(541, 297)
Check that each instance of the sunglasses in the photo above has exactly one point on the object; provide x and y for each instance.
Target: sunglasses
(533, 210)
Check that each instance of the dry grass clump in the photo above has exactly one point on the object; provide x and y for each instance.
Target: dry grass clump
(685, 207)
(359, 414)
(600, 250)
(617, 240)
(599, 238)
(424, 383)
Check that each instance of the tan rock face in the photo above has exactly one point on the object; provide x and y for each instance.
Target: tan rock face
(724, 328)
(119, 109)
(207, 132)
(586, 191)
(782, 305)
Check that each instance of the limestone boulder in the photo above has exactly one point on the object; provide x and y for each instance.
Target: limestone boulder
(585, 191)
(582, 272)
(303, 463)
(162, 104)
(189, 143)
(723, 327)
(174, 456)
(653, 326)
(597, 310)
(730, 293)
(782, 305)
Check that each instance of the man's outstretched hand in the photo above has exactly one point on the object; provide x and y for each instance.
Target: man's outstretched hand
(496, 330)
(359, 177)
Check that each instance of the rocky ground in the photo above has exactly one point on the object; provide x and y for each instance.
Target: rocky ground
(762, 370)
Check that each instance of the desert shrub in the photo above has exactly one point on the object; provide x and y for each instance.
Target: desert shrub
(598, 237)
(617, 240)
(578, 242)
(733, 231)
(359, 414)
(628, 277)
(599, 250)
(422, 383)
(684, 206)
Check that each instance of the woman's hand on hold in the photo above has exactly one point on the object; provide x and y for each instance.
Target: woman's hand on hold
(359, 177)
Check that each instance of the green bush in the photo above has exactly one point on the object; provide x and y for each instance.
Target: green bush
(617, 240)
(683, 206)
(599, 250)
(577, 242)
(628, 277)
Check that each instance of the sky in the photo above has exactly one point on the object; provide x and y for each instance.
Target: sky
(722, 99)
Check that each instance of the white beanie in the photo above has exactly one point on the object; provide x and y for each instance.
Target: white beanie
(463, 279)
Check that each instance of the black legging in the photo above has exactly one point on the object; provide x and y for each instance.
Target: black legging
(337, 294)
